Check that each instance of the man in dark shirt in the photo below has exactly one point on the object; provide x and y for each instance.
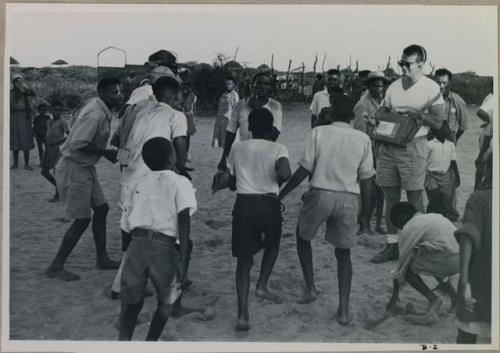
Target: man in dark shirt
(40, 128)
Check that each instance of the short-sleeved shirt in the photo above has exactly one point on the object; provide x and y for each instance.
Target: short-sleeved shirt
(421, 96)
(226, 103)
(239, 117)
(155, 199)
(364, 114)
(338, 156)
(40, 123)
(456, 112)
(91, 126)
(441, 154)
(477, 226)
(320, 100)
(155, 119)
(253, 163)
(57, 128)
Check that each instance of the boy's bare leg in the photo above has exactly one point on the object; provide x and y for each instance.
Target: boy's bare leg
(69, 241)
(268, 260)
(162, 313)
(379, 213)
(446, 287)
(99, 231)
(304, 251)
(128, 319)
(187, 283)
(344, 274)
(416, 282)
(243, 267)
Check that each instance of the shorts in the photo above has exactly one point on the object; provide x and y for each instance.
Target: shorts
(79, 188)
(339, 210)
(257, 224)
(150, 255)
(51, 157)
(434, 263)
(403, 167)
(439, 182)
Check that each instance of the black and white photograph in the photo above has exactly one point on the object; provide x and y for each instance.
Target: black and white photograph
(250, 178)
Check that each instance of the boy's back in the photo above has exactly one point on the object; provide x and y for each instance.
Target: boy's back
(441, 154)
(253, 163)
(154, 200)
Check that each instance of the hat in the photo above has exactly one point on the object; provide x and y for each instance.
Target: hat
(162, 57)
(161, 71)
(376, 75)
(17, 77)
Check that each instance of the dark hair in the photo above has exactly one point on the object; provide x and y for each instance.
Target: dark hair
(319, 76)
(335, 90)
(165, 83)
(444, 132)
(258, 74)
(43, 105)
(417, 50)
(106, 83)
(364, 74)
(156, 153)
(260, 121)
(333, 72)
(230, 78)
(401, 213)
(444, 72)
(342, 109)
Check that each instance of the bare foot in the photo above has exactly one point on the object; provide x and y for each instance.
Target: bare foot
(265, 294)
(107, 264)
(380, 230)
(343, 319)
(308, 297)
(62, 274)
(242, 325)
(183, 310)
(434, 304)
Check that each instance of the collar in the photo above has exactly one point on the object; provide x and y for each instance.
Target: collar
(105, 108)
(341, 124)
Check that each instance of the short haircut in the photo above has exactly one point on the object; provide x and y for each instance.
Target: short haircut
(260, 121)
(343, 108)
(230, 78)
(401, 213)
(333, 72)
(319, 76)
(156, 153)
(417, 50)
(165, 83)
(258, 74)
(364, 74)
(444, 131)
(107, 82)
(444, 72)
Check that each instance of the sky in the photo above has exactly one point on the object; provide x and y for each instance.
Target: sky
(459, 38)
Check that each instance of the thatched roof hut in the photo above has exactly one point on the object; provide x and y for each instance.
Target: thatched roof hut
(263, 68)
(59, 63)
(13, 61)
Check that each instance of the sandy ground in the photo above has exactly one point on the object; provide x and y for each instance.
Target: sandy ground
(44, 308)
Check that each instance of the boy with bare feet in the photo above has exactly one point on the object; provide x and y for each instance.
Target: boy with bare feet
(427, 247)
(158, 208)
(339, 162)
(257, 166)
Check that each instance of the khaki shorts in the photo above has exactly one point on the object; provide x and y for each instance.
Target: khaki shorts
(79, 188)
(437, 263)
(403, 167)
(338, 209)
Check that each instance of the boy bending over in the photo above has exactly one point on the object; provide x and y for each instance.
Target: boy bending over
(158, 208)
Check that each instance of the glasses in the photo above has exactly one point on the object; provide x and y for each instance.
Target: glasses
(406, 64)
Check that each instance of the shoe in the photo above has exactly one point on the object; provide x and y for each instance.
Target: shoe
(27, 167)
(390, 253)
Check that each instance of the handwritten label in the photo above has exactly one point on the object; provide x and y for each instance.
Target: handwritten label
(429, 347)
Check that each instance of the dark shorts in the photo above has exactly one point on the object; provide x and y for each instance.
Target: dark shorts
(150, 255)
(256, 224)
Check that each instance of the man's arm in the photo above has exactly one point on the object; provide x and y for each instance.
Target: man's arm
(180, 152)
(482, 150)
(228, 143)
(484, 116)
(283, 170)
(392, 305)
(466, 248)
(90, 148)
(459, 134)
(300, 174)
(435, 117)
(454, 168)
(184, 222)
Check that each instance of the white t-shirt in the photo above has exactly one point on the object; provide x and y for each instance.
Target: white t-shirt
(156, 119)
(423, 94)
(253, 163)
(338, 156)
(239, 117)
(320, 100)
(440, 156)
(154, 201)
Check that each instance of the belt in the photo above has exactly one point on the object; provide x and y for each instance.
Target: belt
(272, 195)
(152, 234)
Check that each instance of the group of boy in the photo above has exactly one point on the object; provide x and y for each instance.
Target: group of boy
(157, 203)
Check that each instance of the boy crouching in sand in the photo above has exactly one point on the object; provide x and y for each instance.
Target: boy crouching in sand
(428, 247)
(158, 209)
(257, 166)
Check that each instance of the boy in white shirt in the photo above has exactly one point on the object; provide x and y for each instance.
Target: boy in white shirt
(257, 166)
(158, 212)
(440, 163)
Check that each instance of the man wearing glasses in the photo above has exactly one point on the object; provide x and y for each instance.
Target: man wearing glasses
(404, 168)
(322, 99)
